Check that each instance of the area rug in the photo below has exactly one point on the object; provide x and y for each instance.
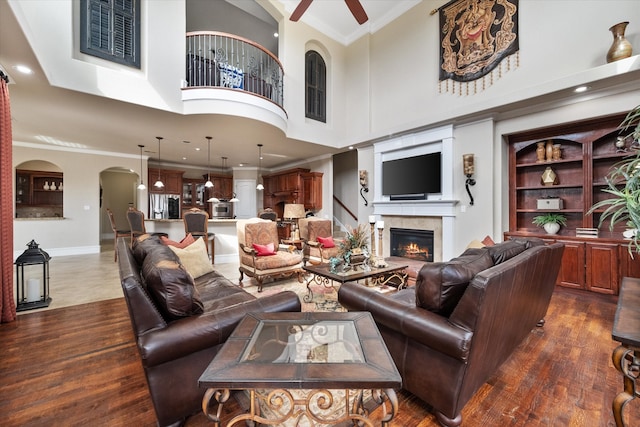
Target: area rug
(323, 299)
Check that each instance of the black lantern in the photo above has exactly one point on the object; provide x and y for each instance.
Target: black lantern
(32, 273)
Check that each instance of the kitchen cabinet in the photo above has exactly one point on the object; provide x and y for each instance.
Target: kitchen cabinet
(312, 190)
(39, 194)
(293, 186)
(193, 194)
(172, 180)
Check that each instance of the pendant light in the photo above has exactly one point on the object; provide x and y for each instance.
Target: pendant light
(141, 186)
(159, 183)
(208, 184)
(259, 187)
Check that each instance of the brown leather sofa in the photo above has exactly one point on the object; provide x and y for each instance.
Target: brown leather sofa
(463, 319)
(180, 323)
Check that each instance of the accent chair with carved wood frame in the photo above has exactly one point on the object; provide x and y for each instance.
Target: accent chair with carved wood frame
(254, 235)
(315, 251)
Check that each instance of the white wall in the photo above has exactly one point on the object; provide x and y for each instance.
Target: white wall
(79, 231)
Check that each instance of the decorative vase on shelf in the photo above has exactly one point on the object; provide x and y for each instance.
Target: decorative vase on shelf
(549, 177)
(557, 154)
(549, 148)
(551, 227)
(53, 186)
(60, 186)
(46, 185)
(621, 48)
(540, 152)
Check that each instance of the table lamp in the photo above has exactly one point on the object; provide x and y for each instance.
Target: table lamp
(294, 211)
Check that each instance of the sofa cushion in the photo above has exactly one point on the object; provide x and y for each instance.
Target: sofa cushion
(506, 250)
(194, 258)
(169, 284)
(440, 285)
(143, 244)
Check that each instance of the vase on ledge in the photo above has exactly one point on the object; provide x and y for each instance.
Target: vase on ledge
(621, 48)
(551, 227)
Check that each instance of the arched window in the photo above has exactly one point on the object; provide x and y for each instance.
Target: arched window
(316, 85)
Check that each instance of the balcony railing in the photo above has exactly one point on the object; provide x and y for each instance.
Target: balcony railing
(223, 60)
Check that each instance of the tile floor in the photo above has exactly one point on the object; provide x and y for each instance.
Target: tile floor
(80, 279)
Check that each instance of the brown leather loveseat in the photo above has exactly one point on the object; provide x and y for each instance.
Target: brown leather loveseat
(463, 319)
(179, 322)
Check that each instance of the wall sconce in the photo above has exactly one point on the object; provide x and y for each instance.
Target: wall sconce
(469, 169)
(364, 186)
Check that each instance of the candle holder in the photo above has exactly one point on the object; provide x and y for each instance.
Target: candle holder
(380, 259)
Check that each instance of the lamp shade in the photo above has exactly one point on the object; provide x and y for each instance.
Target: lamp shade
(294, 210)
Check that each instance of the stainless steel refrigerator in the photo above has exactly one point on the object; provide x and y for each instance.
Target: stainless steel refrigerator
(164, 206)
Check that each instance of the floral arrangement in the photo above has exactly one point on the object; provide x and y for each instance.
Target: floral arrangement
(356, 242)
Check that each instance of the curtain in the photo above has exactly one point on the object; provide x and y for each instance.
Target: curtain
(7, 303)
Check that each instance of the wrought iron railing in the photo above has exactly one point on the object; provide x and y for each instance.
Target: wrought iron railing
(216, 59)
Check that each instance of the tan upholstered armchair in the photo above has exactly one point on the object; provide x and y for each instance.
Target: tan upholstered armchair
(315, 251)
(255, 237)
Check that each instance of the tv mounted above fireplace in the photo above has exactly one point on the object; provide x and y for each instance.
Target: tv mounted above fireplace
(412, 178)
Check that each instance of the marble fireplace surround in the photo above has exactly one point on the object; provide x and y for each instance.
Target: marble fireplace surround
(438, 212)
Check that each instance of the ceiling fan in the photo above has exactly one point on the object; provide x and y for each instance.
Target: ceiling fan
(354, 6)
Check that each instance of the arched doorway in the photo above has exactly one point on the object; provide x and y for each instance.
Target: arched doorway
(117, 192)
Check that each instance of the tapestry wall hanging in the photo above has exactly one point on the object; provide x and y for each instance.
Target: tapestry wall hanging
(475, 37)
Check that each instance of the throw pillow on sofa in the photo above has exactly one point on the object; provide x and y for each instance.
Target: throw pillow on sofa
(186, 241)
(194, 258)
(506, 250)
(170, 285)
(440, 285)
(143, 244)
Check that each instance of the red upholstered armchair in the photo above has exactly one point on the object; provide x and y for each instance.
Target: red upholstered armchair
(260, 255)
(317, 233)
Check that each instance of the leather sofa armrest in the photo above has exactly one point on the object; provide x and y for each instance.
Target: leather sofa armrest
(427, 328)
(195, 333)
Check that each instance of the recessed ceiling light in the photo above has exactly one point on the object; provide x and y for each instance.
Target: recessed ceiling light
(581, 89)
(197, 148)
(276, 35)
(351, 147)
(23, 69)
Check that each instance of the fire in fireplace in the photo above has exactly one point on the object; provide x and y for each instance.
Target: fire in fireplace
(412, 244)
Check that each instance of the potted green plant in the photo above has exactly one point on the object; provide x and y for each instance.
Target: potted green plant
(623, 184)
(550, 221)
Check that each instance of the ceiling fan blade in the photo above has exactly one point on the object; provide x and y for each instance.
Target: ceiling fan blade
(300, 9)
(357, 10)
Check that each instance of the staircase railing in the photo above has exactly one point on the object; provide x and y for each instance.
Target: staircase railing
(216, 59)
(342, 215)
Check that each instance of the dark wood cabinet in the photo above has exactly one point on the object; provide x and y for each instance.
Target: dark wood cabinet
(312, 190)
(39, 193)
(172, 180)
(193, 194)
(588, 151)
(293, 186)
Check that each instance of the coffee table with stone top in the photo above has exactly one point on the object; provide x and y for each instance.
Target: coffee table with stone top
(322, 274)
(333, 358)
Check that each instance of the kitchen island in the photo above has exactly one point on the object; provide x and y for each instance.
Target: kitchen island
(226, 238)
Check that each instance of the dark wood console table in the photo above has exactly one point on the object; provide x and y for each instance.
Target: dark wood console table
(626, 357)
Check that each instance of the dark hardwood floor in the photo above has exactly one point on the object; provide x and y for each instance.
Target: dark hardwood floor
(78, 366)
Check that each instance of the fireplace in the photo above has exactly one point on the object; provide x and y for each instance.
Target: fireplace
(412, 244)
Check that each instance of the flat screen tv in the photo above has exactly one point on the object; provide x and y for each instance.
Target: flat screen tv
(412, 178)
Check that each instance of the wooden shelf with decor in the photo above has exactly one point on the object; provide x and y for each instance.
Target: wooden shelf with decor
(588, 151)
(39, 194)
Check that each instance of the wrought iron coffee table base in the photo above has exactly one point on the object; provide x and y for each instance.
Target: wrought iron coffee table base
(310, 408)
(392, 275)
